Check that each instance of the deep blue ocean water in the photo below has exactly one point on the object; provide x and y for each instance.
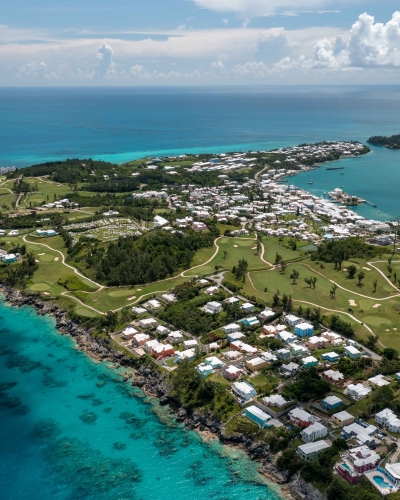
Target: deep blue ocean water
(71, 429)
(120, 124)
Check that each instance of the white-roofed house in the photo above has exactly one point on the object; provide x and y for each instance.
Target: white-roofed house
(313, 432)
(258, 416)
(275, 400)
(213, 307)
(343, 418)
(128, 333)
(162, 330)
(231, 328)
(309, 451)
(231, 372)
(257, 363)
(244, 391)
(358, 391)
(175, 337)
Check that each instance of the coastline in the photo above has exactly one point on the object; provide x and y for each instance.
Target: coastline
(155, 384)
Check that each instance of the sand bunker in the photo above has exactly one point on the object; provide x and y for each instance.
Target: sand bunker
(367, 268)
(37, 260)
(344, 270)
(253, 248)
(235, 246)
(352, 302)
(131, 298)
(56, 258)
(376, 305)
(395, 329)
(41, 254)
(139, 289)
(46, 293)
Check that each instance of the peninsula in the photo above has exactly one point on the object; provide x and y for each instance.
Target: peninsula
(262, 314)
(392, 142)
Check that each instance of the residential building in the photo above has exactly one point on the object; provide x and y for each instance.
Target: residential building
(211, 290)
(378, 381)
(334, 377)
(292, 320)
(250, 322)
(290, 369)
(140, 339)
(231, 372)
(138, 310)
(268, 356)
(159, 221)
(232, 355)
(300, 417)
(150, 323)
(204, 369)
(232, 337)
(9, 258)
(275, 400)
(213, 307)
(363, 434)
(332, 357)
(191, 343)
(331, 336)
(231, 328)
(313, 432)
(286, 337)
(342, 418)
(238, 345)
(309, 451)
(255, 364)
(169, 298)
(244, 391)
(309, 361)
(189, 354)
(331, 402)
(214, 362)
(175, 337)
(258, 416)
(162, 330)
(232, 301)
(388, 419)
(363, 459)
(128, 333)
(283, 354)
(298, 350)
(317, 343)
(303, 330)
(247, 307)
(265, 315)
(352, 352)
(358, 391)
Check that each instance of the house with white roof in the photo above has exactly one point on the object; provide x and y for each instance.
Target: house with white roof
(189, 354)
(275, 400)
(231, 372)
(162, 330)
(244, 391)
(352, 352)
(343, 418)
(388, 419)
(128, 333)
(258, 416)
(175, 337)
(378, 381)
(213, 307)
(309, 451)
(292, 320)
(313, 432)
(358, 391)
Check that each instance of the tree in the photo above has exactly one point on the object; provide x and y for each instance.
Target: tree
(241, 269)
(278, 258)
(351, 270)
(283, 267)
(390, 353)
(294, 276)
(375, 284)
(333, 290)
(217, 267)
(338, 490)
(360, 277)
(225, 254)
(308, 281)
(313, 281)
(395, 276)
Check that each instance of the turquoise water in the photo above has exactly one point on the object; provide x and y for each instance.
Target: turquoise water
(121, 124)
(373, 177)
(380, 482)
(70, 429)
(345, 466)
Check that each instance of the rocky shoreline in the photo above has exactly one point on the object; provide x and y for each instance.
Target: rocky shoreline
(155, 383)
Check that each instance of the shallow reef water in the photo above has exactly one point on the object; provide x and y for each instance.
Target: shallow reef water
(72, 429)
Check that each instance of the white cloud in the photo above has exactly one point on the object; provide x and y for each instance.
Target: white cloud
(105, 56)
(225, 22)
(367, 45)
(34, 69)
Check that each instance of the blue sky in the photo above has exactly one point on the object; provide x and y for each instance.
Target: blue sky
(207, 42)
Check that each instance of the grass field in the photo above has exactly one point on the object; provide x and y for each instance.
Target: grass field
(236, 249)
(273, 246)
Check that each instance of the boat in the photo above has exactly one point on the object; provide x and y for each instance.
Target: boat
(341, 173)
(310, 182)
(334, 168)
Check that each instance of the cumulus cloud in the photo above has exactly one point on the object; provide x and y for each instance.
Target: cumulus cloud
(34, 69)
(105, 56)
(367, 45)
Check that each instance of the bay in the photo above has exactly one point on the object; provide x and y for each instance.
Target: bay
(71, 429)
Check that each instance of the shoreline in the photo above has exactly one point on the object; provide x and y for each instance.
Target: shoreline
(155, 384)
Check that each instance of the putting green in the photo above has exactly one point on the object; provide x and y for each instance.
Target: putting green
(40, 287)
(376, 320)
(85, 312)
(47, 257)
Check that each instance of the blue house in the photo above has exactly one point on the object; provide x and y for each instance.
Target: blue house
(309, 361)
(332, 402)
(249, 322)
(9, 258)
(304, 330)
(258, 416)
(46, 232)
(243, 390)
(332, 357)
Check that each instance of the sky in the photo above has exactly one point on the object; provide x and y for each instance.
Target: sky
(199, 42)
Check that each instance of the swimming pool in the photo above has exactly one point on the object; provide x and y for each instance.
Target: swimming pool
(345, 466)
(381, 482)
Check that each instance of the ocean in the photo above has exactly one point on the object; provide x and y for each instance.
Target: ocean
(72, 429)
(121, 124)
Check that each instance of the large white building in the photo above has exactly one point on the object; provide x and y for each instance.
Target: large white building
(389, 419)
(313, 432)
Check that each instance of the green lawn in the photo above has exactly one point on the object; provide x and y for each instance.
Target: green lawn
(236, 249)
(273, 246)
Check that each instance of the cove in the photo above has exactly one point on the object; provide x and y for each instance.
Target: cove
(71, 428)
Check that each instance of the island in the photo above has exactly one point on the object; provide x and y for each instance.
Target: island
(264, 315)
(392, 142)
